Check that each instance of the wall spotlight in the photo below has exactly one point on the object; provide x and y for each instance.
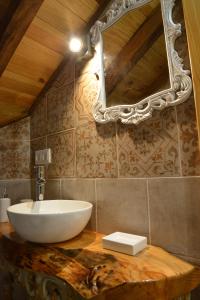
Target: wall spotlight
(75, 44)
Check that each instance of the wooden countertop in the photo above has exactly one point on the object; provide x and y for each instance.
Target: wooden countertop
(95, 273)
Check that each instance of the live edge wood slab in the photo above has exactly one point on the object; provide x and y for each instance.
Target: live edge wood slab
(87, 271)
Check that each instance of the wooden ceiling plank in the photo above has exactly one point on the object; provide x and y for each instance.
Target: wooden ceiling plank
(59, 17)
(103, 5)
(48, 36)
(21, 78)
(15, 29)
(135, 49)
(16, 97)
(37, 53)
(35, 71)
(14, 104)
(37, 57)
(19, 86)
(84, 9)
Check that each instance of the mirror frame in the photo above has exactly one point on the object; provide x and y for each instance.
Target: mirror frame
(180, 81)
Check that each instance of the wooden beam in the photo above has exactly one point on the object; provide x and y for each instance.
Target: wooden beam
(103, 4)
(17, 23)
(191, 10)
(100, 1)
(7, 9)
(159, 84)
(135, 49)
(100, 12)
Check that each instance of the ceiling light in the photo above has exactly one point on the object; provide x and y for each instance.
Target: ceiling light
(75, 44)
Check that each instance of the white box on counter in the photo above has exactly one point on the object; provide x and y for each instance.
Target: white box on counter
(124, 242)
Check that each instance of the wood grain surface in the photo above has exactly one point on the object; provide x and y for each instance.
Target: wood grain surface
(192, 16)
(34, 42)
(95, 273)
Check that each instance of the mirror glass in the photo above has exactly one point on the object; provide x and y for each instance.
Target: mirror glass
(135, 57)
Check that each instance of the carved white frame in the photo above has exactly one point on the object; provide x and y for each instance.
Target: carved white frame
(180, 81)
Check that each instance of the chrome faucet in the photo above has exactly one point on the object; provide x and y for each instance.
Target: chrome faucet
(40, 182)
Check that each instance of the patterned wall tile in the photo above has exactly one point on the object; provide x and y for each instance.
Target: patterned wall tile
(14, 159)
(15, 150)
(190, 154)
(63, 154)
(151, 149)
(86, 91)
(19, 130)
(39, 119)
(60, 108)
(96, 151)
(37, 144)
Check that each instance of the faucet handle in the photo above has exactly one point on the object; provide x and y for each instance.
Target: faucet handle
(40, 182)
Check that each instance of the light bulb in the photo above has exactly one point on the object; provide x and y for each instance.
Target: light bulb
(75, 44)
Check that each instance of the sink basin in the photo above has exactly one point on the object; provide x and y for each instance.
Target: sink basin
(49, 221)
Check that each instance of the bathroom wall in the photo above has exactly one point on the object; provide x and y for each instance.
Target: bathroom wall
(143, 180)
(15, 160)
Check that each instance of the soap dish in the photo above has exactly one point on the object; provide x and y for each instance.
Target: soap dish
(124, 242)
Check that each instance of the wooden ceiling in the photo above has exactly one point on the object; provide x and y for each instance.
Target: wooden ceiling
(33, 43)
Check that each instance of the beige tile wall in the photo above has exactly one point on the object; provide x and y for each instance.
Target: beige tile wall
(15, 150)
(15, 160)
(166, 210)
(17, 189)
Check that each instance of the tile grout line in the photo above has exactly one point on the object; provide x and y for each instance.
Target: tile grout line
(121, 178)
(46, 111)
(47, 123)
(74, 90)
(60, 188)
(186, 256)
(75, 121)
(53, 133)
(60, 131)
(95, 191)
(37, 138)
(15, 179)
(148, 207)
(179, 146)
(117, 150)
(75, 159)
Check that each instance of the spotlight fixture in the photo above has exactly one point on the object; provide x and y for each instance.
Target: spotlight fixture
(75, 44)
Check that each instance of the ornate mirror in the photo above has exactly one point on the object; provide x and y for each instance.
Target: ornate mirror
(138, 68)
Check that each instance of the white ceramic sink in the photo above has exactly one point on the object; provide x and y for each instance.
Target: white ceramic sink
(49, 221)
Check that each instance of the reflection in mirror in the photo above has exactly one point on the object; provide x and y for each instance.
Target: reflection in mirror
(130, 35)
(135, 57)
